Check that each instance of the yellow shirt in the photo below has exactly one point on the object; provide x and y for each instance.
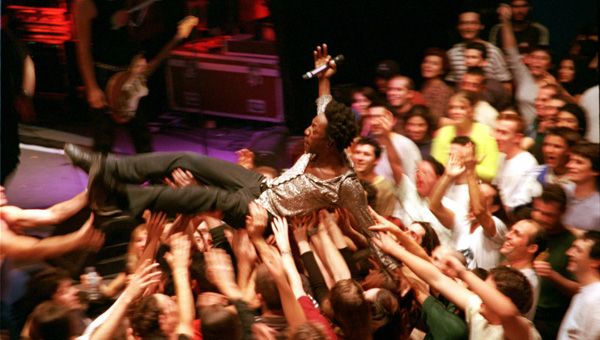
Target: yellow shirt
(485, 144)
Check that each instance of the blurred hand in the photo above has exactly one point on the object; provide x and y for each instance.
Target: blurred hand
(245, 158)
(543, 268)
(258, 220)
(181, 178)
(242, 247)
(144, 276)
(88, 237)
(281, 232)
(455, 166)
(179, 255)
(96, 98)
(504, 12)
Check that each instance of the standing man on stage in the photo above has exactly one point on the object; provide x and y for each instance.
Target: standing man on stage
(104, 48)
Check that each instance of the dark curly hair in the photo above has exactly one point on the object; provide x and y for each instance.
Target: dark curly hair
(341, 125)
(144, 317)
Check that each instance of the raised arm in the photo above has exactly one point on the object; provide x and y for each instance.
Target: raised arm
(322, 57)
(23, 218)
(294, 314)
(108, 323)
(385, 140)
(155, 226)
(483, 215)
(515, 325)
(335, 262)
(429, 273)
(178, 259)
(31, 248)
(281, 231)
(454, 168)
(508, 35)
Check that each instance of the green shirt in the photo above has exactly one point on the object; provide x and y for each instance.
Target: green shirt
(441, 322)
(552, 296)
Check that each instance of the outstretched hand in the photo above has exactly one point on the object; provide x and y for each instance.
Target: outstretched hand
(181, 178)
(143, 277)
(257, 221)
(455, 166)
(504, 12)
(179, 255)
(281, 232)
(322, 57)
(88, 237)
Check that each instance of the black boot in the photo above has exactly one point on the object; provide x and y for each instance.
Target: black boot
(103, 189)
(78, 156)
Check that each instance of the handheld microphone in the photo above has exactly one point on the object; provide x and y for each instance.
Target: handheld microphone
(311, 74)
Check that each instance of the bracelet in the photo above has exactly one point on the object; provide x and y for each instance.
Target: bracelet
(285, 252)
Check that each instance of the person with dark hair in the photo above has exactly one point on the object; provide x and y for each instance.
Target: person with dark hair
(476, 230)
(573, 117)
(494, 91)
(351, 310)
(553, 170)
(582, 320)
(528, 33)
(469, 27)
(570, 75)
(419, 127)
(474, 81)
(530, 73)
(385, 70)
(493, 308)
(53, 321)
(397, 150)
(556, 283)
(524, 242)
(583, 169)
(362, 98)
(435, 91)
(365, 156)
(413, 198)
(321, 178)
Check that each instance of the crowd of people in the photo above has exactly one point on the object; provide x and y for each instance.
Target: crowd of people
(468, 208)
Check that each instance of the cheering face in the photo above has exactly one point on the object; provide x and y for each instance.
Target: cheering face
(520, 10)
(555, 151)
(580, 261)
(416, 128)
(568, 120)
(360, 103)
(566, 71)
(580, 169)
(539, 63)
(363, 158)
(506, 135)
(469, 25)
(397, 92)
(474, 58)
(459, 110)
(425, 179)
(517, 240)
(432, 67)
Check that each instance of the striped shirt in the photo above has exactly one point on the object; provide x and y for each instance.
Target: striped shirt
(494, 69)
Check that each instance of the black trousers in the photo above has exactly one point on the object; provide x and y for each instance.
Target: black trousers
(225, 186)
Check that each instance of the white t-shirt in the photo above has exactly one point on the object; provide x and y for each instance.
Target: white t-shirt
(512, 175)
(535, 289)
(411, 207)
(486, 113)
(479, 250)
(481, 329)
(459, 193)
(582, 320)
(407, 151)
